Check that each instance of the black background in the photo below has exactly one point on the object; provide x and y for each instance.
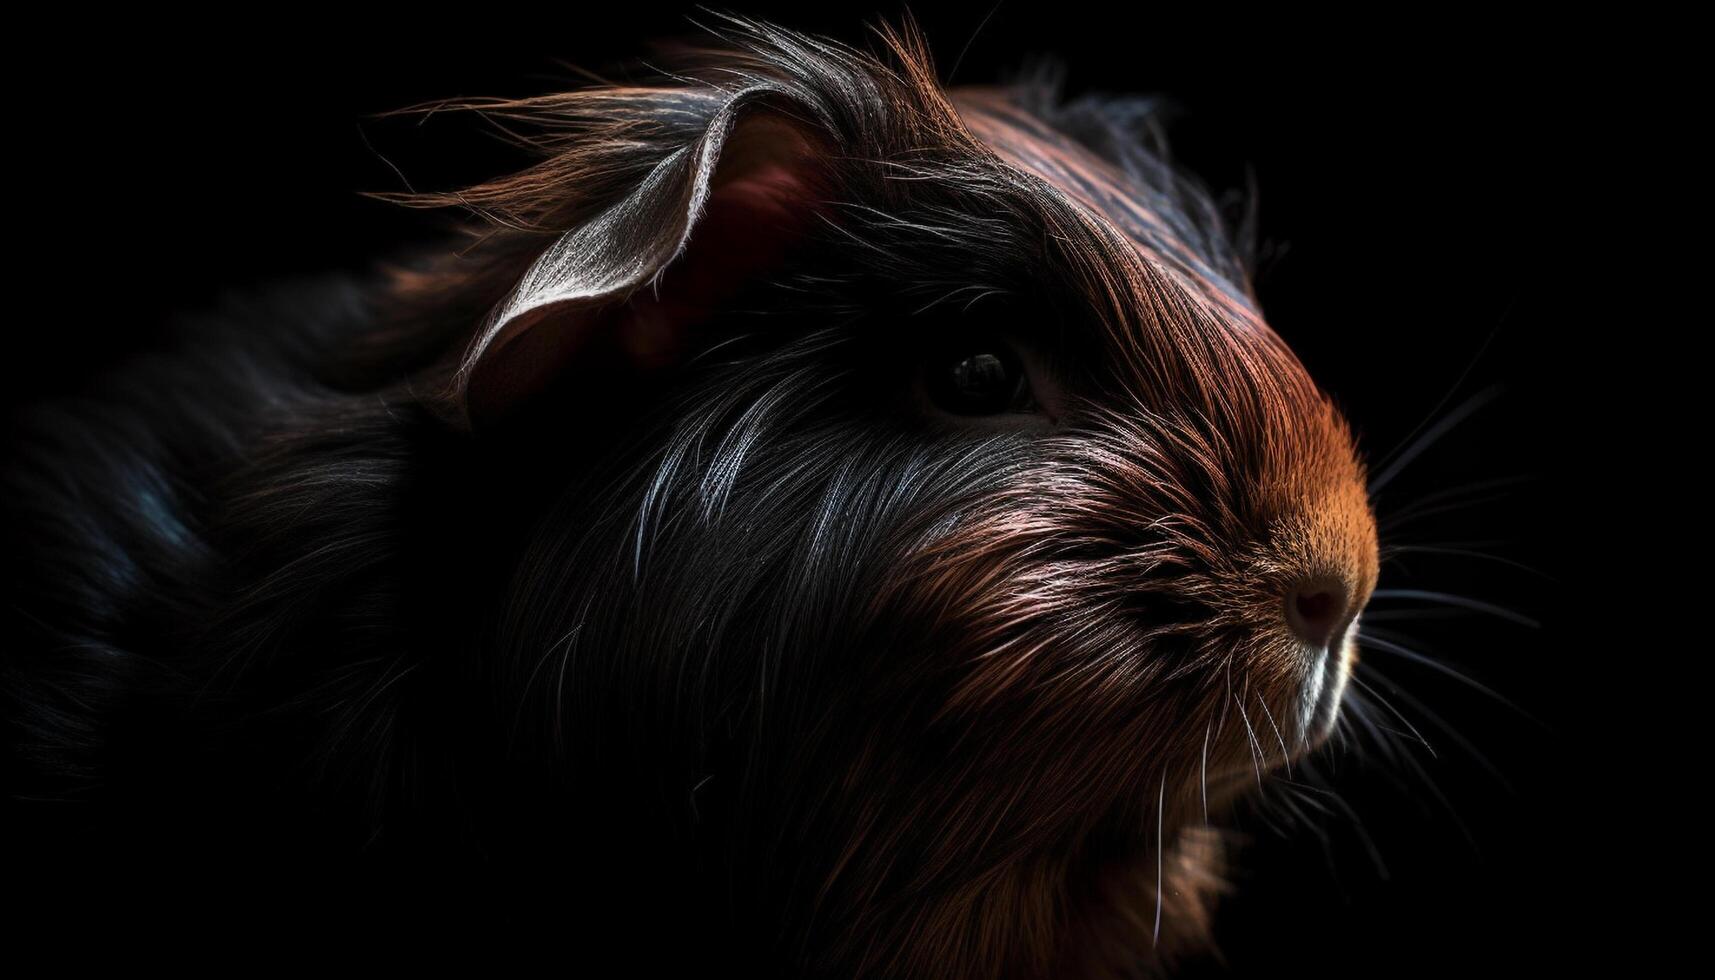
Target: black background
(1413, 182)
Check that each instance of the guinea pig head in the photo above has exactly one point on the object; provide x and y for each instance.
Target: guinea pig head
(976, 538)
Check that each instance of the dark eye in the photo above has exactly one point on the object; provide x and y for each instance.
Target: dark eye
(979, 379)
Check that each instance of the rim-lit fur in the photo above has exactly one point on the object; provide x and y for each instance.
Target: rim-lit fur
(1067, 635)
(907, 699)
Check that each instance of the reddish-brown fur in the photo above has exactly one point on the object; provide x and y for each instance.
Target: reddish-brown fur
(1004, 821)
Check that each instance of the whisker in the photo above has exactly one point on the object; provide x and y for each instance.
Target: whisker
(1464, 373)
(1463, 602)
(1412, 549)
(1160, 817)
(1407, 763)
(1456, 500)
(1358, 710)
(1303, 792)
(1293, 802)
(1398, 650)
(1411, 615)
(1429, 783)
(1369, 843)
(1396, 713)
(1206, 772)
(1256, 747)
(1461, 490)
(1285, 755)
(1433, 434)
(1390, 523)
(1441, 723)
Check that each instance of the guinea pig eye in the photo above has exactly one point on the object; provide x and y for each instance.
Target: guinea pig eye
(979, 379)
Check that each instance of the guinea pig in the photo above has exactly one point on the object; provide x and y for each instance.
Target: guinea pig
(812, 522)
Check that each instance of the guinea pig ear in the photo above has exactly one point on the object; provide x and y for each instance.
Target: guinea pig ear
(634, 281)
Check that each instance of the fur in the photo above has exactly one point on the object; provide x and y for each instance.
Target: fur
(838, 690)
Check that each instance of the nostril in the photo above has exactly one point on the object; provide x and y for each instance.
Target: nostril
(1315, 609)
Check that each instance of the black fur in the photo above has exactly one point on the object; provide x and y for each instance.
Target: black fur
(271, 617)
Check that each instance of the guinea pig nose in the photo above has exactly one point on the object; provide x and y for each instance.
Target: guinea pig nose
(1315, 608)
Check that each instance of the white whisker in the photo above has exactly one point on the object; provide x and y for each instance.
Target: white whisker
(1206, 772)
(1413, 449)
(1160, 814)
(1464, 602)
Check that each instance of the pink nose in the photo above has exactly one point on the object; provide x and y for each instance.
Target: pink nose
(1316, 608)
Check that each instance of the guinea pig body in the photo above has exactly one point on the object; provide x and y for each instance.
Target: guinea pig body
(871, 523)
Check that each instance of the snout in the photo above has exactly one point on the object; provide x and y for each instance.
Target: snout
(1315, 615)
(1318, 610)
(1324, 564)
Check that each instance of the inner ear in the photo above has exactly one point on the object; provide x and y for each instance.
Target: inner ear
(629, 289)
(756, 211)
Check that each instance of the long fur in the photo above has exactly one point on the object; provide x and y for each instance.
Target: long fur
(853, 694)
